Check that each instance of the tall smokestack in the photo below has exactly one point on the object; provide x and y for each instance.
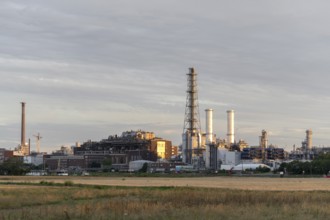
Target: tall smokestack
(209, 125)
(23, 126)
(209, 136)
(309, 139)
(230, 127)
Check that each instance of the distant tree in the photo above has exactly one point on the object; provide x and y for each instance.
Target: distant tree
(320, 165)
(14, 166)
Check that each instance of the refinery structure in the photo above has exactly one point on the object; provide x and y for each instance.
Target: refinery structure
(200, 151)
(204, 151)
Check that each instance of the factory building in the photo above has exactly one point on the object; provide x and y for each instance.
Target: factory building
(257, 153)
(120, 150)
(274, 154)
(162, 147)
(231, 158)
(57, 163)
(306, 151)
(35, 159)
(139, 134)
(5, 155)
(175, 151)
(96, 160)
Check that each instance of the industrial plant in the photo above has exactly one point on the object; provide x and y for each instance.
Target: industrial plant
(204, 151)
(199, 151)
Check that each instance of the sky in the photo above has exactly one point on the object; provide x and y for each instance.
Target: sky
(90, 69)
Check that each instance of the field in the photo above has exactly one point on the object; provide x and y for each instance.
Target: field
(164, 198)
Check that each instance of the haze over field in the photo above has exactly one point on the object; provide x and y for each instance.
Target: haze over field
(89, 69)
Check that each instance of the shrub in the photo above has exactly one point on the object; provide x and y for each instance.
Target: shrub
(68, 183)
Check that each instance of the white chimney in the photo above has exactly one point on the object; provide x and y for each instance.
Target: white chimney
(230, 127)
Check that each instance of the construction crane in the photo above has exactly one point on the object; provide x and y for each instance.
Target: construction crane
(38, 137)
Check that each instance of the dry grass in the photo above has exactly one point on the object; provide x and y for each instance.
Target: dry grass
(243, 183)
(73, 202)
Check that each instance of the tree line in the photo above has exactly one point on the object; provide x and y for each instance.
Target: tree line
(320, 165)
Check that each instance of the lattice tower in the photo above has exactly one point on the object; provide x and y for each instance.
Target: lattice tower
(192, 123)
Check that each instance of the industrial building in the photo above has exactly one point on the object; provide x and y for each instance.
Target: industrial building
(258, 153)
(63, 163)
(35, 159)
(120, 150)
(205, 151)
(5, 155)
(307, 151)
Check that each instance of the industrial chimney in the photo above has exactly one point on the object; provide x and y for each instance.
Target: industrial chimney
(230, 127)
(309, 139)
(209, 125)
(23, 126)
(25, 148)
(209, 136)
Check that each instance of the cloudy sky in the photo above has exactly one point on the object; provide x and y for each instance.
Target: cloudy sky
(90, 69)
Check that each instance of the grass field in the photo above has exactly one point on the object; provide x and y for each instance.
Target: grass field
(243, 183)
(66, 198)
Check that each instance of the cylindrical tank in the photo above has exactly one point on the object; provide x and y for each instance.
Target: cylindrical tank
(230, 127)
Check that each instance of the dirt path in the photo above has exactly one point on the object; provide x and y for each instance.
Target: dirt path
(249, 183)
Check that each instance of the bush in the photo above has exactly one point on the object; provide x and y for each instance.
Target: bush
(68, 183)
(262, 169)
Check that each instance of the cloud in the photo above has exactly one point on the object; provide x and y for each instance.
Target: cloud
(123, 65)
